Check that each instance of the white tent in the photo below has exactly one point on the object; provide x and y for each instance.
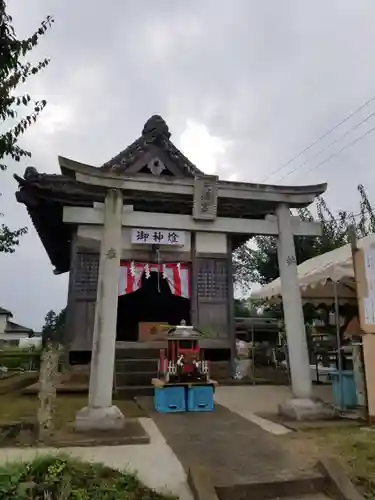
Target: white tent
(316, 277)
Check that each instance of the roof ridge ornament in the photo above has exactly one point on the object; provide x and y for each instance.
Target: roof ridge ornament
(155, 133)
(156, 128)
(31, 173)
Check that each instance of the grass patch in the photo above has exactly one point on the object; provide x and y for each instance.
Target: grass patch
(353, 446)
(20, 408)
(17, 380)
(63, 478)
(16, 407)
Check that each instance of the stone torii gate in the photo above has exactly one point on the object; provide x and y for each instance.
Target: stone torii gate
(100, 412)
(152, 185)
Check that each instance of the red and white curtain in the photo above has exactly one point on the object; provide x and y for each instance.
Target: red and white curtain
(177, 276)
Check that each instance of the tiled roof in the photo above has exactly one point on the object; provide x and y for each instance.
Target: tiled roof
(5, 311)
(15, 328)
(154, 133)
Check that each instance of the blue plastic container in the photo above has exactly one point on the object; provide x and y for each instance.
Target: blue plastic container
(200, 398)
(347, 396)
(170, 399)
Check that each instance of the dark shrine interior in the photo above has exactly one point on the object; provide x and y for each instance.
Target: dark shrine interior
(153, 302)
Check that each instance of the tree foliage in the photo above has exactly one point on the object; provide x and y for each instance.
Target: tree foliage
(243, 309)
(13, 72)
(54, 326)
(257, 262)
(10, 239)
(17, 110)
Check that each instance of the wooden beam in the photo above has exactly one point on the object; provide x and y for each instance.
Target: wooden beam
(85, 215)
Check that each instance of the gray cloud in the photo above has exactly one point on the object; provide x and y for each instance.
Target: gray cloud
(265, 77)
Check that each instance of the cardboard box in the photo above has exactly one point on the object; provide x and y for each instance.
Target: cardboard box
(152, 331)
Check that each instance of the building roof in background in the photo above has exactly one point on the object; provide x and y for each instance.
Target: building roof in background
(5, 311)
(15, 328)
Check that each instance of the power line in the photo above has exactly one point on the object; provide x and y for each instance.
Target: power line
(338, 219)
(320, 138)
(352, 215)
(328, 146)
(341, 150)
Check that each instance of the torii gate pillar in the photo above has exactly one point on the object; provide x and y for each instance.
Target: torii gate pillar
(100, 412)
(301, 406)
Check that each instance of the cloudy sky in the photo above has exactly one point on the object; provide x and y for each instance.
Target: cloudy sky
(244, 86)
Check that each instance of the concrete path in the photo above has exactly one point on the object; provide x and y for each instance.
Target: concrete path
(248, 400)
(234, 449)
(156, 464)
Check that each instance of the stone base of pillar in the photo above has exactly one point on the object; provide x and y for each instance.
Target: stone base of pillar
(306, 409)
(89, 419)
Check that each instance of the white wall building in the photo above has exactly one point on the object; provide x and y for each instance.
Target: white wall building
(11, 333)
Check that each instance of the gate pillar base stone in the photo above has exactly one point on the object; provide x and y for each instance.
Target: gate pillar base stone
(100, 419)
(306, 409)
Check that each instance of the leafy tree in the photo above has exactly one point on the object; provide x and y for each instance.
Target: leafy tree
(241, 308)
(258, 263)
(17, 111)
(10, 239)
(245, 308)
(53, 328)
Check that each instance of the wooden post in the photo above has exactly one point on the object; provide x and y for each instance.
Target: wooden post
(194, 318)
(68, 335)
(231, 320)
(357, 353)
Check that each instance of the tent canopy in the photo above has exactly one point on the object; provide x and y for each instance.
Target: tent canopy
(317, 275)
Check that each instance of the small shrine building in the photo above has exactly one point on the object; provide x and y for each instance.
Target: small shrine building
(148, 237)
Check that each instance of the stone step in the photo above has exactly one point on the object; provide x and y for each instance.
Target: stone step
(312, 487)
(135, 378)
(132, 391)
(308, 488)
(309, 496)
(136, 365)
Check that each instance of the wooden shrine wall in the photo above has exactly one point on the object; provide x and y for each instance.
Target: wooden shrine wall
(83, 283)
(212, 301)
(213, 295)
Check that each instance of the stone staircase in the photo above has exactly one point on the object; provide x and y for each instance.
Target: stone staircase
(328, 480)
(135, 367)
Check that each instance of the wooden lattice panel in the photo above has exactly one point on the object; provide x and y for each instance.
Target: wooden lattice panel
(86, 275)
(212, 279)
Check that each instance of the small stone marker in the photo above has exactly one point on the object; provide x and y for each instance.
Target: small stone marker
(47, 391)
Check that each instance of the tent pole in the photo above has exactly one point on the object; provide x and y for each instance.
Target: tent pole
(252, 353)
(338, 341)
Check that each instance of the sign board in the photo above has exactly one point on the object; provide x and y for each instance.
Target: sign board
(142, 236)
(369, 300)
(364, 261)
(205, 197)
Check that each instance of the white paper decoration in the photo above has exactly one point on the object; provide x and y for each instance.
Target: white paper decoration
(132, 269)
(147, 271)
